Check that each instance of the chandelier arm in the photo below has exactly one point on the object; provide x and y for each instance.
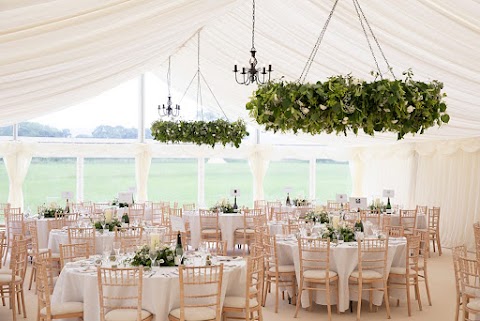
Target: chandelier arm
(355, 5)
(307, 66)
(376, 40)
(214, 97)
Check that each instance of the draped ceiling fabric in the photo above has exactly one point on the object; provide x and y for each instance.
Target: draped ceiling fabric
(57, 53)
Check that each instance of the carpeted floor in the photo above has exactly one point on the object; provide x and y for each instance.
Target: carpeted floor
(442, 288)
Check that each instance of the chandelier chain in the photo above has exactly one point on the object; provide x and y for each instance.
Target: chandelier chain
(356, 4)
(376, 40)
(308, 65)
(253, 25)
(169, 81)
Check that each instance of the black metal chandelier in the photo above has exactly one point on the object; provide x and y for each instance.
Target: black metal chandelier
(169, 110)
(251, 74)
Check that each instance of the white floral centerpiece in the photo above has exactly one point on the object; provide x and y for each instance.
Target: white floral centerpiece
(165, 256)
(223, 206)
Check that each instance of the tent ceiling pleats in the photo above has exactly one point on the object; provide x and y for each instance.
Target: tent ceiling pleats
(58, 53)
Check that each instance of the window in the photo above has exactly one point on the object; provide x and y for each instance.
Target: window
(283, 174)
(104, 178)
(221, 176)
(332, 178)
(46, 179)
(173, 180)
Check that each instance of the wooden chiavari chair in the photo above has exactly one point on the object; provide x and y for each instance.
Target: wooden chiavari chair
(73, 252)
(120, 291)
(334, 206)
(457, 252)
(131, 232)
(261, 204)
(99, 207)
(434, 228)
(209, 227)
(14, 221)
(470, 287)
(371, 269)
(12, 283)
(248, 306)
(46, 309)
(394, 231)
(280, 275)
(245, 235)
(200, 294)
(423, 260)
(404, 277)
(55, 224)
(315, 273)
(279, 215)
(189, 207)
(291, 227)
(408, 219)
(71, 219)
(372, 216)
(136, 212)
(83, 235)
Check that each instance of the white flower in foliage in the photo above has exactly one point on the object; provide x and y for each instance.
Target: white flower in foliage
(410, 109)
(323, 107)
(394, 121)
(304, 110)
(345, 120)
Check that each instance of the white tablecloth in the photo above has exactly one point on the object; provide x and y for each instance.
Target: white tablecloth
(42, 231)
(343, 260)
(161, 292)
(58, 237)
(228, 224)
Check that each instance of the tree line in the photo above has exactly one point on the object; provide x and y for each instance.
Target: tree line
(32, 129)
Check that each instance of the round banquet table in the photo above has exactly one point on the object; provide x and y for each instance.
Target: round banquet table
(58, 237)
(343, 260)
(161, 291)
(228, 223)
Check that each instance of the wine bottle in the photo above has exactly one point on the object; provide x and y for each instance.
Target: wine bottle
(125, 218)
(67, 208)
(389, 206)
(288, 203)
(179, 250)
(359, 225)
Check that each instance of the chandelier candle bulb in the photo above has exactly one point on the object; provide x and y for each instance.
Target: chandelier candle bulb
(335, 221)
(154, 240)
(108, 215)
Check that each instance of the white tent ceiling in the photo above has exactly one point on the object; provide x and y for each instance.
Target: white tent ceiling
(57, 53)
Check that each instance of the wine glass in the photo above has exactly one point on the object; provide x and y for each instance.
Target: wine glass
(103, 223)
(153, 255)
(116, 247)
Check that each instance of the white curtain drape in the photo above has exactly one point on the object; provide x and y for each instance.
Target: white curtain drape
(143, 160)
(17, 158)
(375, 169)
(259, 160)
(448, 176)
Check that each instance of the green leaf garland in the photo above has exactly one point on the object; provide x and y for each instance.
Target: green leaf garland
(343, 103)
(210, 133)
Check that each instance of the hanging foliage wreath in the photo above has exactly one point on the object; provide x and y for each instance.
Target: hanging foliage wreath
(200, 132)
(344, 103)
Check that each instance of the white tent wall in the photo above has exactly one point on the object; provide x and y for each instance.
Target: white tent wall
(448, 176)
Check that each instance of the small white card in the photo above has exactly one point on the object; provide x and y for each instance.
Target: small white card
(235, 192)
(67, 195)
(177, 224)
(132, 189)
(125, 197)
(388, 193)
(358, 203)
(288, 189)
(341, 198)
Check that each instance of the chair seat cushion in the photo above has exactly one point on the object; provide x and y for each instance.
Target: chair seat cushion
(195, 314)
(318, 274)
(5, 278)
(283, 268)
(125, 315)
(474, 304)
(247, 231)
(238, 302)
(367, 274)
(401, 270)
(64, 308)
(5, 270)
(210, 231)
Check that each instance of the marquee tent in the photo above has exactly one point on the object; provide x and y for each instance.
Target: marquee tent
(57, 53)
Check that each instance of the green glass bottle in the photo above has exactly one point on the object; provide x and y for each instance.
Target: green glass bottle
(179, 250)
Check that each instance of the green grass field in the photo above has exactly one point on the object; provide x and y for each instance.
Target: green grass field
(175, 180)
